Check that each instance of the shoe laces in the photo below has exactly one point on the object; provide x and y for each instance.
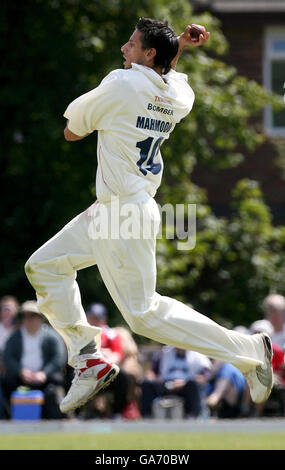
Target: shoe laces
(78, 365)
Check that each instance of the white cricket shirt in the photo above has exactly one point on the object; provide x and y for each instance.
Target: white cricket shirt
(134, 111)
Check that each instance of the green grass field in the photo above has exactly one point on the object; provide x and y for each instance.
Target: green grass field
(144, 441)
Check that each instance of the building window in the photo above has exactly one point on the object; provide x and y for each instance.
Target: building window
(274, 78)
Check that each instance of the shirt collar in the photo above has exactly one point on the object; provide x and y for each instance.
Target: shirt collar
(151, 74)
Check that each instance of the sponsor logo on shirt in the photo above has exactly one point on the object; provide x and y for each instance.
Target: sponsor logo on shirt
(162, 100)
(160, 109)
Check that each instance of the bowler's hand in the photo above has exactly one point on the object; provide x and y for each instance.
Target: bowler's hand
(186, 40)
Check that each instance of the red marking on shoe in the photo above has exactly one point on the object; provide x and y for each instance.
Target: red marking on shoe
(96, 362)
(104, 371)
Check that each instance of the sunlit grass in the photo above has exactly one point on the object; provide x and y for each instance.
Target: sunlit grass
(144, 441)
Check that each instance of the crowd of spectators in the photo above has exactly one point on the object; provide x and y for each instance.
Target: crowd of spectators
(33, 355)
(176, 372)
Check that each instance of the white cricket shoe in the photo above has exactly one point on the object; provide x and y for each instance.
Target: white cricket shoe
(92, 373)
(260, 379)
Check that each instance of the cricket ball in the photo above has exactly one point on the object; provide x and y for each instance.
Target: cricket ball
(195, 32)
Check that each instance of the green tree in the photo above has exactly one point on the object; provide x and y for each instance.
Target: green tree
(52, 51)
(236, 262)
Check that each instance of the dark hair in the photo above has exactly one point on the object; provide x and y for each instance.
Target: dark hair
(160, 36)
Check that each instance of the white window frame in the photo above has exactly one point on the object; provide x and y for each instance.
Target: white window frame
(271, 33)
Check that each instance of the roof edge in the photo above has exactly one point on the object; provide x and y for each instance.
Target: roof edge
(250, 6)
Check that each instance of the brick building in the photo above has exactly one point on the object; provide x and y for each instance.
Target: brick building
(255, 30)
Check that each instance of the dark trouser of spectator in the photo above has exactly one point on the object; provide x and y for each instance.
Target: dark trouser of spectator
(119, 389)
(50, 409)
(2, 402)
(68, 377)
(191, 393)
(109, 403)
(51, 404)
(227, 411)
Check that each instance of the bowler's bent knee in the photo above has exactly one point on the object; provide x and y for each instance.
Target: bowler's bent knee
(139, 323)
(31, 267)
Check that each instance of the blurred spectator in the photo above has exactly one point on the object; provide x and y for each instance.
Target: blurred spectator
(33, 356)
(226, 389)
(130, 364)
(176, 372)
(261, 326)
(111, 344)
(9, 307)
(265, 326)
(2, 403)
(276, 401)
(241, 329)
(274, 308)
(113, 401)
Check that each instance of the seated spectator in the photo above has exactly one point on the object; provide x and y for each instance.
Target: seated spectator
(265, 326)
(130, 364)
(276, 403)
(130, 361)
(8, 311)
(176, 372)
(111, 344)
(226, 389)
(112, 402)
(274, 308)
(33, 356)
(241, 329)
(2, 403)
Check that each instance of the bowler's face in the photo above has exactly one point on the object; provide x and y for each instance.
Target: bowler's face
(133, 51)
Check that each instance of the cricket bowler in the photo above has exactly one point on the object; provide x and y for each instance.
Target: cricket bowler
(134, 110)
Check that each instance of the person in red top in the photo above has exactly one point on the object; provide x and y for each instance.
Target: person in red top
(278, 365)
(111, 344)
(112, 349)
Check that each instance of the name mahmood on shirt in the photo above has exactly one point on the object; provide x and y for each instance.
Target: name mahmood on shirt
(153, 124)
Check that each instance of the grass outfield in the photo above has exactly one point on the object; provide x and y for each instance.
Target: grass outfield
(144, 441)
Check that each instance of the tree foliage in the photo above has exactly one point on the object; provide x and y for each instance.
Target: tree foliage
(52, 51)
(236, 262)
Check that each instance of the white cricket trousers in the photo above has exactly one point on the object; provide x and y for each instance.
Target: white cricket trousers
(128, 269)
